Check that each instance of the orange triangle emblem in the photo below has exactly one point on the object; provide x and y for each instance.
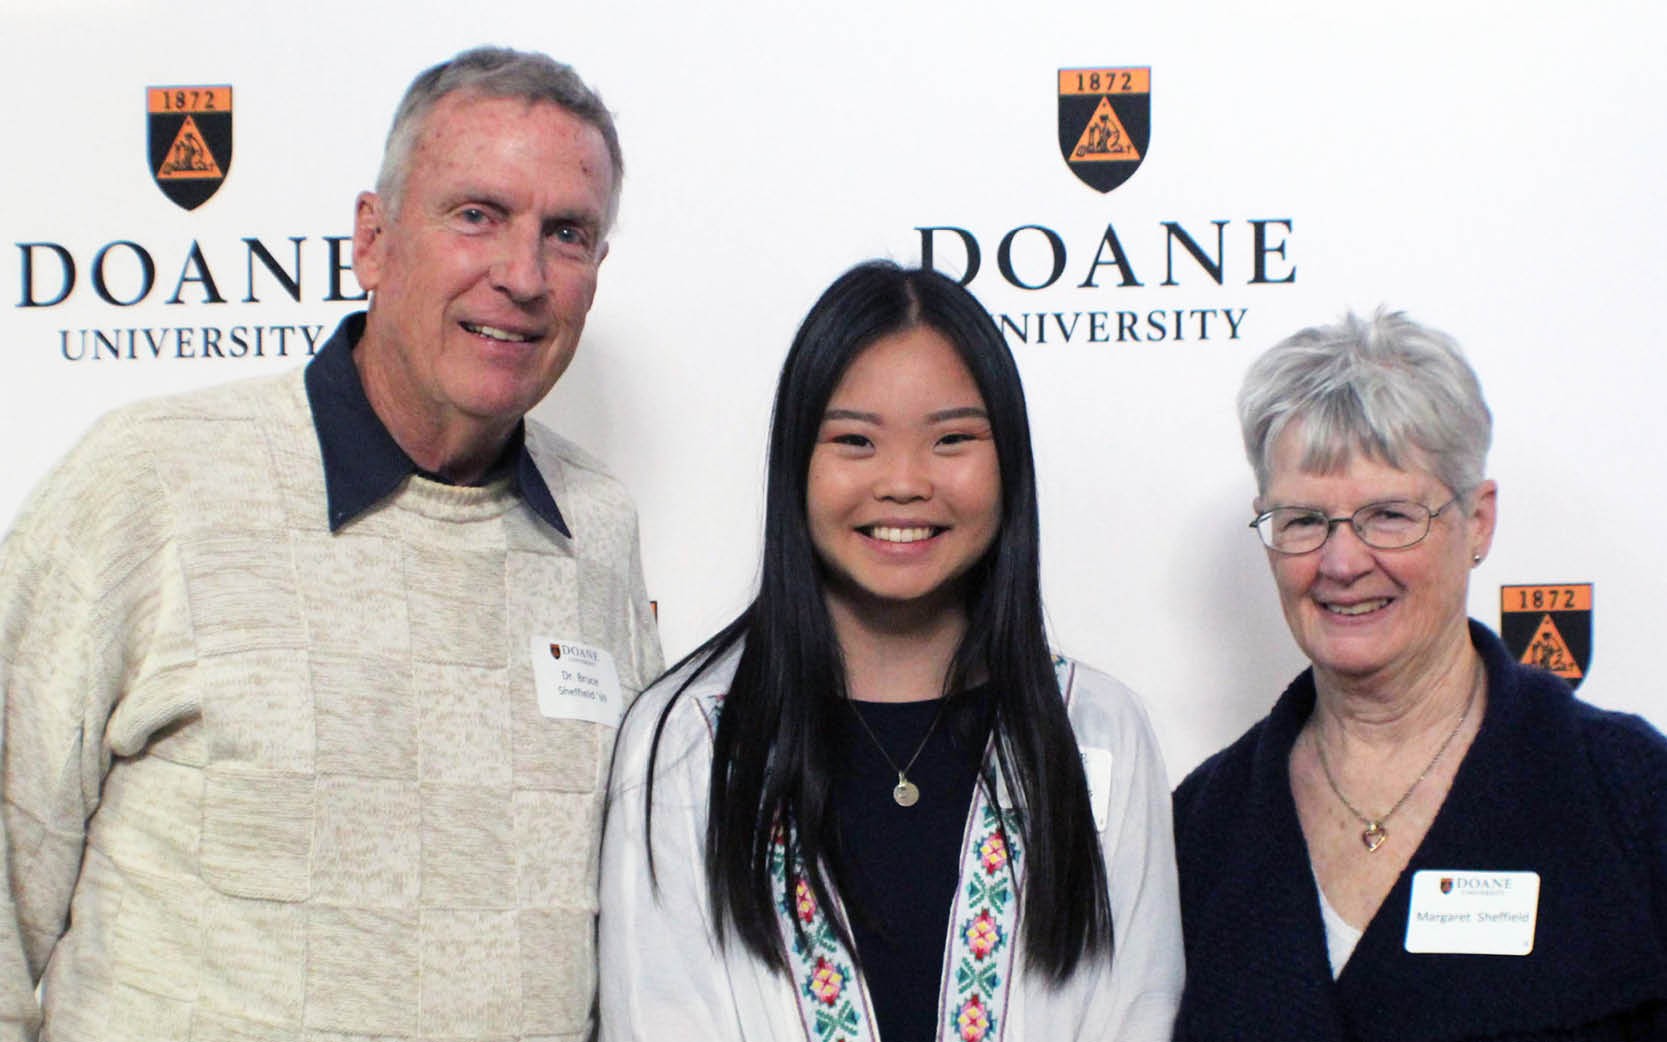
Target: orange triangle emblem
(1104, 139)
(1549, 651)
(188, 157)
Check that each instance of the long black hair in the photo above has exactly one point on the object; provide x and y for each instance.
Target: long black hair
(772, 761)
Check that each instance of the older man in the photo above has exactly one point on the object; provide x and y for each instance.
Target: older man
(310, 682)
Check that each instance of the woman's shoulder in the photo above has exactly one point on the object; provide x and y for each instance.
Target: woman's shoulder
(1078, 680)
(1104, 711)
(675, 718)
(1627, 739)
(1624, 749)
(1222, 781)
(703, 677)
(1629, 755)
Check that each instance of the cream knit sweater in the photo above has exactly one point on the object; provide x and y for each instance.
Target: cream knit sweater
(262, 782)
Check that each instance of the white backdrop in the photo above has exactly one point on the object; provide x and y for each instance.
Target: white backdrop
(1492, 169)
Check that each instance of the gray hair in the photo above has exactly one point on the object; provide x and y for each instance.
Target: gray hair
(1387, 387)
(496, 72)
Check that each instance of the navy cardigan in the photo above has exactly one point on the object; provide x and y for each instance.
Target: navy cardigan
(1550, 784)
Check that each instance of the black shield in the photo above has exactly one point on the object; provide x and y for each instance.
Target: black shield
(1105, 123)
(1549, 625)
(190, 138)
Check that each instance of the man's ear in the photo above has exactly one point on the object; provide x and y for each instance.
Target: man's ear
(368, 240)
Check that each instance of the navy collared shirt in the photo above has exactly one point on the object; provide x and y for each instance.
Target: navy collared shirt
(363, 464)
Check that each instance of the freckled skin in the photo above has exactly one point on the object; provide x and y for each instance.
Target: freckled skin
(499, 225)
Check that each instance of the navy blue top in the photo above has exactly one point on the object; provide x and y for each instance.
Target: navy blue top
(1550, 785)
(362, 462)
(903, 864)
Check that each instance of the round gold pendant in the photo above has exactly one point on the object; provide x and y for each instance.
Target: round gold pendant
(905, 794)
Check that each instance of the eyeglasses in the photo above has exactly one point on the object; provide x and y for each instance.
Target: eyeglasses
(1392, 525)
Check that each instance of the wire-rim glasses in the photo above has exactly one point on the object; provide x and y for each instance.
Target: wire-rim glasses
(1394, 524)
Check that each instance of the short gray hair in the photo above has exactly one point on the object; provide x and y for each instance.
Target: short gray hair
(1386, 387)
(496, 72)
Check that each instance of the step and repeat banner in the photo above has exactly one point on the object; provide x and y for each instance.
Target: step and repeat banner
(1144, 196)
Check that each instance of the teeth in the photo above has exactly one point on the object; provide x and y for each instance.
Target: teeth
(497, 334)
(888, 534)
(1357, 609)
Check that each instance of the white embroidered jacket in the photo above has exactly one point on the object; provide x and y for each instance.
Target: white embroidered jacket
(664, 974)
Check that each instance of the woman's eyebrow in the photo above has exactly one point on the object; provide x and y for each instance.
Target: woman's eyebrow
(851, 414)
(964, 412)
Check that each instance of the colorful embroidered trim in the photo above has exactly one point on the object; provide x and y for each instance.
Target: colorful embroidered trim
(833, 1001)
(978, 961)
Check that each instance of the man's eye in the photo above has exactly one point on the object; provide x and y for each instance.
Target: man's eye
(473, 215)
(1297, 522)
(571, 235)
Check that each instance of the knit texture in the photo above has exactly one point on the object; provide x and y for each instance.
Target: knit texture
(266, 783)
(1549, 785)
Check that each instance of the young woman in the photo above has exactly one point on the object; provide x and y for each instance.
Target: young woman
(874, 806)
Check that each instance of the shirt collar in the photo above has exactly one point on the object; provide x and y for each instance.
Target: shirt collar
(363, 464)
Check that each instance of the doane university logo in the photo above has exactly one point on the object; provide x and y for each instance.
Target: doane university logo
(1549, 625)
(190, 135)
(1105, 123)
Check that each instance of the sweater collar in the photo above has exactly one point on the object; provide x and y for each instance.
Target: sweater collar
(363, 464)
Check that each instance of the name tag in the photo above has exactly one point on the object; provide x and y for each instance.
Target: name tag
(1473, 913)
(576, 682)
(1096, 768)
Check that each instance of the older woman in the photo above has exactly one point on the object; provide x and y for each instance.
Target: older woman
(1424, 839)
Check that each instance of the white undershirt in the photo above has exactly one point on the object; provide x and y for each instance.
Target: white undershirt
(1340, 937)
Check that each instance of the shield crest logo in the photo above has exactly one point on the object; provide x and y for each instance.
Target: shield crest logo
(1549, 626)
(190, 138)
(1446, 884)
(555, 651)
(1105, 123)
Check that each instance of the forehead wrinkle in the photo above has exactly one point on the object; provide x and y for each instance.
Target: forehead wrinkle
(475, 192)
(439, 140)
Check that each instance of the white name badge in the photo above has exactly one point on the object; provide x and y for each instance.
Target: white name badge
(1096, 768)
(576, 682)
(1473, 913)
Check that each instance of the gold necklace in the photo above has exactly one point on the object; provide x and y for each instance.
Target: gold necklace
(905, 793)
(1375, 834)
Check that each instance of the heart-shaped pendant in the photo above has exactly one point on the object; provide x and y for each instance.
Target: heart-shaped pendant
(1373, 836)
